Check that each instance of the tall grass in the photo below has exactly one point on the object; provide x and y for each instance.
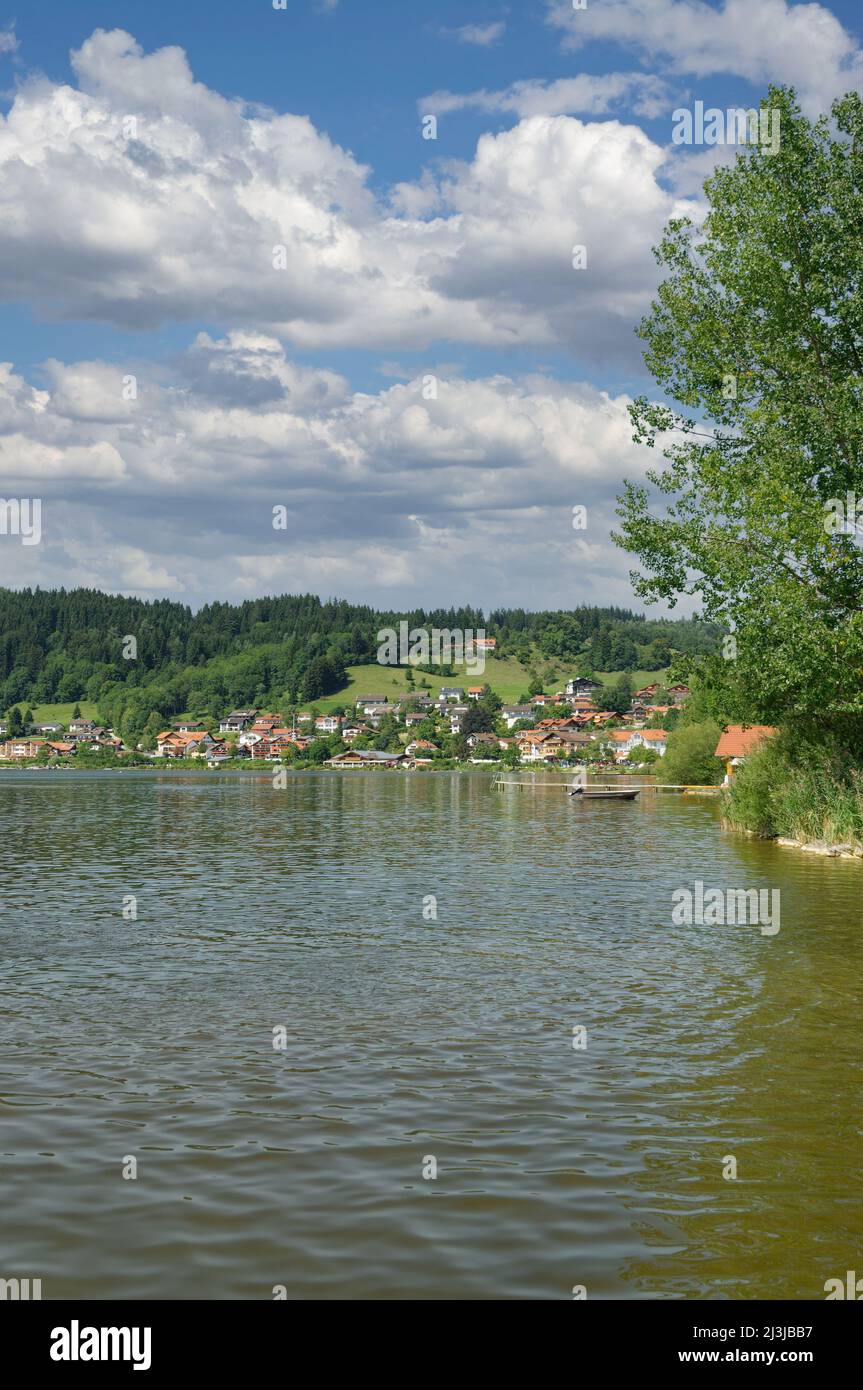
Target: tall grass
(804, 792)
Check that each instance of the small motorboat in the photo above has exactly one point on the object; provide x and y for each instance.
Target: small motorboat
(623, 794)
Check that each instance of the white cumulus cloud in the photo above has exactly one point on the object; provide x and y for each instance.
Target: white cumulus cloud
(802, 45)
(142, 197)
(420, 492)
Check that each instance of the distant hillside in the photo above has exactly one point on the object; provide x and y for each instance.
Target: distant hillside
(59, 647)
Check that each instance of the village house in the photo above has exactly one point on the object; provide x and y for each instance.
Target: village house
(304, 718)
(328, 724)
(473, 740)
(237, 721)
(352, 731)
(474, 692)
(218, 755)
(644, 693)
(283, 742)
(653, 738)
(265, 723)
(485, 644)
(83, 726)
(173, 744)
(44, 728)
(581, 685)
(559, 723)
(61, 749)
(188, 726)
(511, 714)
(451, 692)
(104, 743)
(618, 743)
(456, 714)
(679, 693)
(625, 741)
(421, 750)
(574, 741)
(376, 709)
(737, 742)
(537, 746)
(415, 717)
(18, 748)
(360, 757)
(170, 744)
(362, 702)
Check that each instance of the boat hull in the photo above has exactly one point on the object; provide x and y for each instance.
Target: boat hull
(606, 796)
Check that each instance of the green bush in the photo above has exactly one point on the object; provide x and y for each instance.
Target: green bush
(691, 755)
(800, 790)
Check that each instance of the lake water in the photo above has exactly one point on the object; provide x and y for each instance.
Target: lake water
(408, 1038)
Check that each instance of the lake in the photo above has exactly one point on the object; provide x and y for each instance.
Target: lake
(413, 1034)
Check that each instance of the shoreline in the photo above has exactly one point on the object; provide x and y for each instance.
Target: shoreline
(841, 850)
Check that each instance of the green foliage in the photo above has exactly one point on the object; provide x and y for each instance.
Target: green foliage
(798, 788)
(478, 720)
(803, 790)
(612, 697)
(757, 336)
(690, 755)
(65, 647)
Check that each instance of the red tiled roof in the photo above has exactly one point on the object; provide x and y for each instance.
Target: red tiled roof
(738, 740)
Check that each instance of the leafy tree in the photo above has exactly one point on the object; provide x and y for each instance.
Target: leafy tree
(757, 333)
(611, 697)
(323, 676)
(490, 699)
(478, 720)
(690, 756)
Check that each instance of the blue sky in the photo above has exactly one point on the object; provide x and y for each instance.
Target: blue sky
(407, 260)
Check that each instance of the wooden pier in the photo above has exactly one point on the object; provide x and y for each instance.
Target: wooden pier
(618, 784)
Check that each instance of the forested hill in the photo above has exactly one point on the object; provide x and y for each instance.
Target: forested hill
(58, 646)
